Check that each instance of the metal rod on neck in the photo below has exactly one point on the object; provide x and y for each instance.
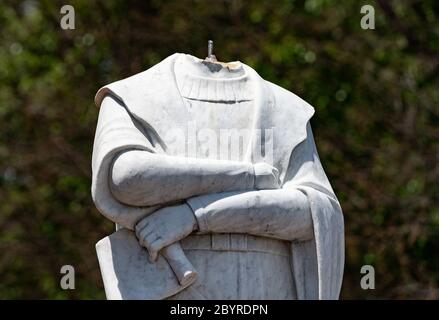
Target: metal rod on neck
(209, 48)
(210, 55)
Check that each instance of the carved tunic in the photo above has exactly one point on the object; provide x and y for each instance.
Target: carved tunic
(250, 244)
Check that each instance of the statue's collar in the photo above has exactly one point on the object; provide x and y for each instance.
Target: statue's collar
(159, 83)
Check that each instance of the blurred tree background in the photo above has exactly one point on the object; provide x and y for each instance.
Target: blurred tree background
(376, 94)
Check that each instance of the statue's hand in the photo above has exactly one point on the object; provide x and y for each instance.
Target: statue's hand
(266, 176)
(164, 227)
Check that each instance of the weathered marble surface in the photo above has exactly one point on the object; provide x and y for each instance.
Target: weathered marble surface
(215, 159)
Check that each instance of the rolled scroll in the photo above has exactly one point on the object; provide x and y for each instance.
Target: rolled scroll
(182, 267)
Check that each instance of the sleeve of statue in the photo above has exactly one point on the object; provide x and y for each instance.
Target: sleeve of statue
(116, 132)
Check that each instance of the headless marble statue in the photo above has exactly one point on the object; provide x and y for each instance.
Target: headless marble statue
(210, 157)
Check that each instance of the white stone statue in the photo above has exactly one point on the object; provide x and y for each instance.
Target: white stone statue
(212, 177)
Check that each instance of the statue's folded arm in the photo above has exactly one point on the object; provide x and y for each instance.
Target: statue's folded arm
(142, 178)
(221, 193)
(281, 214)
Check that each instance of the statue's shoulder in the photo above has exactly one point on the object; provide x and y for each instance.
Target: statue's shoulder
(288, 100)
(136, 83)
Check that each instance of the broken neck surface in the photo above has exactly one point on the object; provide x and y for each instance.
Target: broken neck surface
(201, 80)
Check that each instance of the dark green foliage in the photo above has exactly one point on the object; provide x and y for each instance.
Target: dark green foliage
(376, 94)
